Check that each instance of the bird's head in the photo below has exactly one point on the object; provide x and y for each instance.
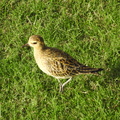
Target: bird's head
(35, 41)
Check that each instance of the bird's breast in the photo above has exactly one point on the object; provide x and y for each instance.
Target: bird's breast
(42, 64)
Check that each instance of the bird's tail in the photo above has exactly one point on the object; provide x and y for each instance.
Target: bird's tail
(87, 69)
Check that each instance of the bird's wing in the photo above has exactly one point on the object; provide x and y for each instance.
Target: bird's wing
(66, 66)
(62, 64)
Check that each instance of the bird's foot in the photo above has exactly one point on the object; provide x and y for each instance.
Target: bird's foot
(60, 88)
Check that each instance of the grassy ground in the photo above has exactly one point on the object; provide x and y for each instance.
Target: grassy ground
(89, 30)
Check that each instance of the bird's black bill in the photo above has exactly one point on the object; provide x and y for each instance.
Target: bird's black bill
(26, 45)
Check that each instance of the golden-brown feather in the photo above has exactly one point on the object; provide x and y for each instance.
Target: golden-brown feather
(55, 62)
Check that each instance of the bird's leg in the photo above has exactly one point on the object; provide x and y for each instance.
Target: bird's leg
(60, 86)
(65, 83)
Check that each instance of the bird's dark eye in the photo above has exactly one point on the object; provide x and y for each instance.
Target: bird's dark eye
(34, 42)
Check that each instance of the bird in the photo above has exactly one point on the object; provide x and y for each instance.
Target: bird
(57, 63)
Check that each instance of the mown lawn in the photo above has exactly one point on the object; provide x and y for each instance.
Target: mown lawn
(89, 30)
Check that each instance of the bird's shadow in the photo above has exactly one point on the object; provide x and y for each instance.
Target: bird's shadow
(113, 75)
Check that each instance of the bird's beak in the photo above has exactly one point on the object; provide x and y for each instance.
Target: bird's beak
(26, 45)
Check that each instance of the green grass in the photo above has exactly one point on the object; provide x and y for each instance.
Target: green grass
(89, 30)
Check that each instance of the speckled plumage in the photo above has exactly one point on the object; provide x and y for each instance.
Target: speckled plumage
(55, 62)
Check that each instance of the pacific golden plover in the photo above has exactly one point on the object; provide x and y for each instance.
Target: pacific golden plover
(57, 63)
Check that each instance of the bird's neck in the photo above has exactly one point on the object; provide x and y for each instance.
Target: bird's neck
(38, 51)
